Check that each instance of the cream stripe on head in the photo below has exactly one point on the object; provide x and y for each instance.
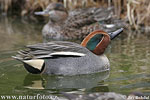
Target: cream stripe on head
(35, 63)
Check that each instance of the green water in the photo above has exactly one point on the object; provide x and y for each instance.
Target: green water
(129, 57)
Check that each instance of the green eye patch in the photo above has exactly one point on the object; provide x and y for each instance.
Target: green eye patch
(92, 43)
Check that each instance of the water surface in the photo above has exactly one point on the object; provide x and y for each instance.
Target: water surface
(129, 56)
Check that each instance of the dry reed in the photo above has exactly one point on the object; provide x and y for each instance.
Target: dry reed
(137, 11)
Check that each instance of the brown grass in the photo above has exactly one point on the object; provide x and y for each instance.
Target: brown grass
(136, 11)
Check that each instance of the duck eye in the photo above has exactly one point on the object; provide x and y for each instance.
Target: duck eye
(100, 37)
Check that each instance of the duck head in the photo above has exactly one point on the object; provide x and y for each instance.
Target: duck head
(97, 41)
(56, 12)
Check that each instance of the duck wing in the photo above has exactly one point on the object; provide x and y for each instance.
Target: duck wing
(51, 50)
(82, 20)
(81, 17)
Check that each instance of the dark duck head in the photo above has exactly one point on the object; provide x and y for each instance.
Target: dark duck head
(56, 12)
(97, 41)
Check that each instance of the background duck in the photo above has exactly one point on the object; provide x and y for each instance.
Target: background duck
(75, 24)
(68, 58)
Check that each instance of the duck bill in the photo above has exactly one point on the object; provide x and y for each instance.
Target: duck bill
(43, 13)
(116, 33)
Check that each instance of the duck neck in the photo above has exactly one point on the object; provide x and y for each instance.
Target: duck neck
(96, 42)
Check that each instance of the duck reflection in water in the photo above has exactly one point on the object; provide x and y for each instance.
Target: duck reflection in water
(89, 82)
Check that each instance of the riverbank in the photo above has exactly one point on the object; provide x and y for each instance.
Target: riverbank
(135, 12)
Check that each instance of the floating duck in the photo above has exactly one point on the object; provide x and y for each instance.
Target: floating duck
(68, 58)
(76, 24)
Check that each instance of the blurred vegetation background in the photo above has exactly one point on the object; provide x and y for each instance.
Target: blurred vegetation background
(136, 12)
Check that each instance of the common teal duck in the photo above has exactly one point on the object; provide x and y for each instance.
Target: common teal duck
(68, 58)
(76, 24)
